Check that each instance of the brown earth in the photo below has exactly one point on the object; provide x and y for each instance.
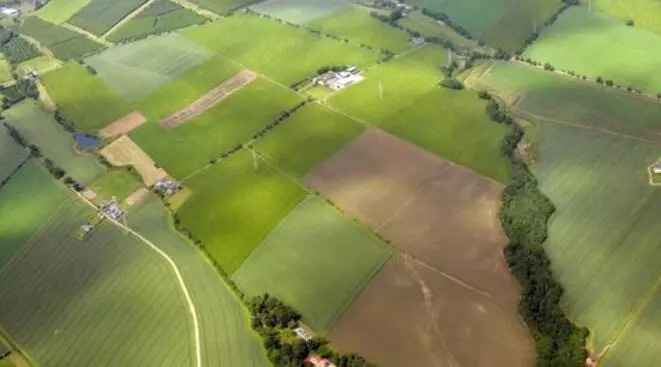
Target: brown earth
(210, 99)
(138, 196)
(123, 125)
(445, 217)
(124, 152)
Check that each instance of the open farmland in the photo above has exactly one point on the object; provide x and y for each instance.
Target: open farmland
(317, 260)
(31, 199)
(355, 24)
(594, 44)
(300, 11)
(56, 144)
(65, 44)
(134, 70)
(183, 149)
(99, 15)
(223, 6)
(279, 51)
(11, 154)
(5, 71)
(308, 138)
(119, 183)
(234, 206)
(604, 236)
(18, 50)
(59, 11)
(539, 94)
(502, 24)
(429, 27)
(124, 152)
(227, 339)
(41, 64)
(161, 16)
(84, 98)
(645, 13)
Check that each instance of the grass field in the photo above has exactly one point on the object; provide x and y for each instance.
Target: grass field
(59, 11)
(84, 98)
(65, 44)
(595, 45)
(227, 339)
(119, 183)
(502, 24)
(645, 13)
(40, 129)
(551, 96)
(42, 64)
(277, 50)
(300, 11)
(11, 154)
(136, 69)
(222, 6)
(5, 71)
(233, 207)
(308, 138)
(27, 201)
(98, 16)
(429, 27)
(188, 147)
(355, 24)
(603, 238)
(17, 50)
(316, 260)
(161, 16)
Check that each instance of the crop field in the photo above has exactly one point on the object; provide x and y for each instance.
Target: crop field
(18, 50)
(223, 6)
(645, 13)
(99, 15)
(502, 24)
(109, 298)
(308, 138)
(119, 183)
(429, 27)
(183, 149)
(594, 44)
(11, 154)
(280, 51)
(435, 319)
(42, 64)
(40, 129)
(124, 152)
(5, 71)
(300, 11)
(604, 236)
(355, 24)
(134, 70)
(64, 43)
(227, 339)
(59, 11)
(27, 201)
(84, 98)
(123, 126)
(161, 16)
(234, 206)
(548, 96)
(316, 260)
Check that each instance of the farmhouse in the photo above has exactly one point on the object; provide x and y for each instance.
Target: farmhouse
(303, 334)
(417, 41)
(337, 80)
(112, 210)
(656, 168)
(167, 187)
(318, 361)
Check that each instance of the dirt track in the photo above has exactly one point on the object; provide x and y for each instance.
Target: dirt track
(124, 125)
(210, 99)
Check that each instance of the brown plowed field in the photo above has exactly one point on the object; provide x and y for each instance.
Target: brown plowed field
(124, 152)
(440, 213)
(124, 125)
(210, 99)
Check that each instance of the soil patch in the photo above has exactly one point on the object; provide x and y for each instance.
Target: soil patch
(124, 125)
(210, 99)
(124, 152)
(138, 196)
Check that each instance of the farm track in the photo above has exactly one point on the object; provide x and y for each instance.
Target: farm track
(197, 9)
(87, 34)
(126, 19)
(44, 50)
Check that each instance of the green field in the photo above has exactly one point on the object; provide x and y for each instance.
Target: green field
(100, 15)
(282, 52)
(300, 11)
(645, 13)
(59, 11)
(134, 70)
(40, 129)
(42, 64)
(17, 50)
(540, 94)
(83, 98)
(119, 183)
(604, 239)
(11, 154)
(316, 260)
(355, 24)
(307, 139)
(595, 45)
(233, 207)
(183, 149)
(227, 339)
(222, 6)
(429, 27)
(64, 43)
(502, 24)
(5, 71)
(27, 201)
(161, 16)
(403, 97)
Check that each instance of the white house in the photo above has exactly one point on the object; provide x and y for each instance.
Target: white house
(656, 169)
(10, 12)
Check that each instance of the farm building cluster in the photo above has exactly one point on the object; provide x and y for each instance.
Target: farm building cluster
(336, 80)
(395, 5)
(111, 209)
(167, 187)
(656, 168)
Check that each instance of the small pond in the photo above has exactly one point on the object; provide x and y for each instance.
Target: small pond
(86, 142)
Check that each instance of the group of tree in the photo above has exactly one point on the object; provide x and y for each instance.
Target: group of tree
(447, 21)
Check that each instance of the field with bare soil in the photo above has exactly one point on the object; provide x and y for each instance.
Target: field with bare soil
(124, 152)
(124, 125)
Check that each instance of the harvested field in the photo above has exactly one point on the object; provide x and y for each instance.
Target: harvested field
(431, 321)
(124, 151)
(212, 98)
(124, 125)
(138, 196)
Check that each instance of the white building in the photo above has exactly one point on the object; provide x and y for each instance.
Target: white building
(303, 334)
(656, 169)
(318, 361)
(10, 12)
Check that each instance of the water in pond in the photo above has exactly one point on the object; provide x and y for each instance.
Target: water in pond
(86, 142)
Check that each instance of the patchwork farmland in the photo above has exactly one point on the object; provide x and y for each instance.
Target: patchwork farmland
(329, 183)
